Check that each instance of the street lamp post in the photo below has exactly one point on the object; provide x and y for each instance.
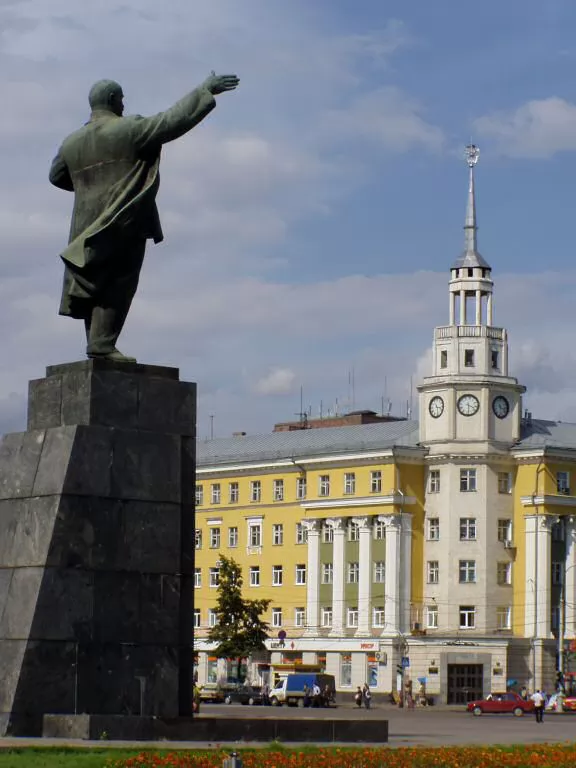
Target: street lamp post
(562, 631)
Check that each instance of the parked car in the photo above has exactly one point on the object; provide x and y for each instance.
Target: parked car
(290, 690)
(501, 703)
(568, 705)
(244, 694)
(212, 692)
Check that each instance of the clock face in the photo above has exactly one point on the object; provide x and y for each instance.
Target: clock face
(468, 405)
(436, 407)
(501, 407)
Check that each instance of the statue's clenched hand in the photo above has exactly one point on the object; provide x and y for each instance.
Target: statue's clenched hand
(220, 83)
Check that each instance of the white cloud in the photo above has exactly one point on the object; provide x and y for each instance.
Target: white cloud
(538, 129)
(279, 381)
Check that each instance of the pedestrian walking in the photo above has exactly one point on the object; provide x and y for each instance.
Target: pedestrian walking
(366, 696)
(539, 701)
(358, 697)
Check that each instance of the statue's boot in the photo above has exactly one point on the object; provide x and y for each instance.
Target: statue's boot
(102, 331)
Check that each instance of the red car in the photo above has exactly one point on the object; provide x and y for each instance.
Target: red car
(498, 703)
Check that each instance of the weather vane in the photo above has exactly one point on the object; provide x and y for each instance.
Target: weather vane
(472, 153)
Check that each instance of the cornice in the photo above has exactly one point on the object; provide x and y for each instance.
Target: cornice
(548, 499)
(393, 499)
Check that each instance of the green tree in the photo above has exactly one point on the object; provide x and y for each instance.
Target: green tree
(239, 629)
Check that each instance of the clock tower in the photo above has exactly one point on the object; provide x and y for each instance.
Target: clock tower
(470, 398)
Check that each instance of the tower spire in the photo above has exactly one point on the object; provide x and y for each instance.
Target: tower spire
(471, 256)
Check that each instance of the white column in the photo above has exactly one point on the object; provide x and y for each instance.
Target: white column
(570, 579)
(313, 578)
(365, 577)
(405, 586)
(489, 317)
(392, 579)
(478, 307)
(544, 576)
(531, 526)
(462, 307)
(452, 308)
(339, 575)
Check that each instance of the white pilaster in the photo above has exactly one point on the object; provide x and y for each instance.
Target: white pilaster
(313, 578)
(405, 586)
(392, 598)
(338, 574)
(531, 527)
(365, 577)
(570, 579)
(543, 576)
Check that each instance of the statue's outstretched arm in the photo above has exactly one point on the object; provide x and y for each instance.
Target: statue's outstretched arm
(59, 174)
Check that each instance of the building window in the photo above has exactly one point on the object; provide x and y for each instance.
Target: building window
(233, 493)
(434, 481)
(379, 571)
(346, 670)
(327, 534)
(214, 538)
(467, 480)
(301, 534)
(353, 573)
(327, 616)
(197, 577)
(214, 577)
(433, 529)
(255, 535)
(467, 529)
(376, 481)
(254, 575)
(215, 493)
(378, 617)
(276, 617)
(504, 529)
(233, 537)
(278, 490)
(558, 531)
(503, 617)
(504, 482)
(495, 359)
(443, 358)
(353, 531)
(555, 618)
(432, 617)
(563, 482)
(327, 573)
(199, 495)
(198, 539)
(504, 574)
(557, 573)
(379, 530)
(469, 358)
(278, 534)
(349, 483)
(212, 617)
(255, 490)
(324, 485)
(299, 617)
(432, 572)
(197, 618)
(277, 576)
(467, 617)
(352, 617)
(467, 572)
(300, 574)
(300, 487)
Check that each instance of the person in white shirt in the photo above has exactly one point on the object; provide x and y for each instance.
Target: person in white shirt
(539, 701)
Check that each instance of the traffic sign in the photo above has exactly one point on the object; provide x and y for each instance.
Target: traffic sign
(405, 661)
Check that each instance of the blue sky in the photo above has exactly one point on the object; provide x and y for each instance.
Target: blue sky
(311, 220)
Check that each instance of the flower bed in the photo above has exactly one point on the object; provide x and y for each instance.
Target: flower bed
(540, 756)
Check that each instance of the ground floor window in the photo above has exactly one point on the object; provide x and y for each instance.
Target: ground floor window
(212, 670)
(345, 669)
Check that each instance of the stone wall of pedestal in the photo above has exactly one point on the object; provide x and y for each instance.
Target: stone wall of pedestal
(97, 546)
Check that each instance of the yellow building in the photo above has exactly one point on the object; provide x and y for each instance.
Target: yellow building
(444, 547)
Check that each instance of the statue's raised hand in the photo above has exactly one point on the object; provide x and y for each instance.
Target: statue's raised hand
(220, 83)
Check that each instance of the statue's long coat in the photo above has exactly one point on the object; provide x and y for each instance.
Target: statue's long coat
(111, 164)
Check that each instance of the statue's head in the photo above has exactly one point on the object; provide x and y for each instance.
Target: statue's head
(107, 94)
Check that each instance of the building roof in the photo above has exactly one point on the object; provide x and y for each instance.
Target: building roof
(308, 442)
(536, 434)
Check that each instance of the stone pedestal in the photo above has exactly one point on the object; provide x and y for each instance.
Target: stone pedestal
(97, 547)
